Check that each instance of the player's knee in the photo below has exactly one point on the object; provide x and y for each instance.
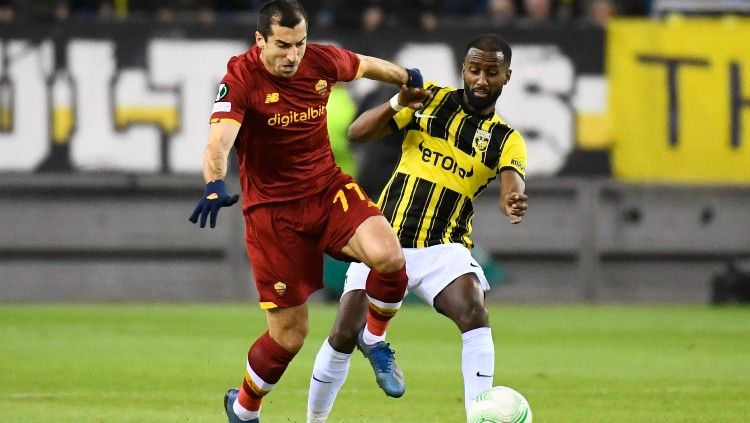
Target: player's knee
(388, 260)
(344, 334)
(291, 338)
(343, 339)
(292, 341)
(472, 317)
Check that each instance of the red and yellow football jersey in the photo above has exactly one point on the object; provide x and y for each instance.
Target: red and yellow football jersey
(283, 146)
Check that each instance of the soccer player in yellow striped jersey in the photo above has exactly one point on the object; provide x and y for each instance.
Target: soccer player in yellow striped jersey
(454, 146)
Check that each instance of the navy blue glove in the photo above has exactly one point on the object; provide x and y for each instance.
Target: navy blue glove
(415, 78)
(214, 198)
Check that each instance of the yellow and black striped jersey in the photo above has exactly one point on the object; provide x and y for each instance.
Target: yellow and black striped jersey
(448, 157)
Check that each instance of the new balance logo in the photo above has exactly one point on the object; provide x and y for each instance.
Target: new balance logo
(481, 375)
(272, 98)
(420, 115)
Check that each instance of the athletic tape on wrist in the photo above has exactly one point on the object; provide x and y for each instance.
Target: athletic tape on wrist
(395, 105)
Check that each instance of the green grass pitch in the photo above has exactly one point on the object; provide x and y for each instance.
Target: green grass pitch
(172, 363)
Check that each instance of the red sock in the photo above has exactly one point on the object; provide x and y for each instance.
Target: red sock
(385, 292)
(377, 322)
(266, 362)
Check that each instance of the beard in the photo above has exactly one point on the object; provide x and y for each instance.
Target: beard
(479, 103)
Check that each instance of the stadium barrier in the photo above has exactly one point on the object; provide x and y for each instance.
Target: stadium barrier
(127, 238)
(608, 241)
(115, 238)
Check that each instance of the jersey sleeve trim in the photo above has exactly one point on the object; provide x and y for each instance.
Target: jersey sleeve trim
(394, 126)
(514, 170)
(217, 120)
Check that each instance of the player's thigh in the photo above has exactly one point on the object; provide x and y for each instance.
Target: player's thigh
(463, 302)
(433, 269)
(375, 243)
(356, 277)
(356, 229)
(287, 267)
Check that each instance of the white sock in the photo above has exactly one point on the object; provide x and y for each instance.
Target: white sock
(243, 413)
(329, 374)
(477, 362)
(370, 338)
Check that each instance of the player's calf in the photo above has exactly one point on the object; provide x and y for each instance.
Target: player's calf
(266, 362)
(385, 291)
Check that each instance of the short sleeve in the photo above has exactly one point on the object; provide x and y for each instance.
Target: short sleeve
(345, 63)
(513, 155)
(230, 102)
(403, 117)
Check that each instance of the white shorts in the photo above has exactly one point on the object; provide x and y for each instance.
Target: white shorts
(429, 269)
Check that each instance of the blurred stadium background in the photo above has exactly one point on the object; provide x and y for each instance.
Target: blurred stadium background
(636, 114)
(637, 120)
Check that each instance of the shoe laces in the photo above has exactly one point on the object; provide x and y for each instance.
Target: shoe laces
(382, 357)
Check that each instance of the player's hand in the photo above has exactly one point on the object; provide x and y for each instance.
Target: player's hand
(214, 198)
(413, 98)
(414, 78)
(515, 206)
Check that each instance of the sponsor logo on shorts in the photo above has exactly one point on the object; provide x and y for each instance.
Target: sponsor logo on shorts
(280, 288)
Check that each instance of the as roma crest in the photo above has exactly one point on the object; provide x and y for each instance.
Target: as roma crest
(321, 86)
(280, 288)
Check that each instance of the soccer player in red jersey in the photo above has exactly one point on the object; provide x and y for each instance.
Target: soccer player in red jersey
(297, 203)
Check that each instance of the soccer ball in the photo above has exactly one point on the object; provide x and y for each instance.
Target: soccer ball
(499, 404)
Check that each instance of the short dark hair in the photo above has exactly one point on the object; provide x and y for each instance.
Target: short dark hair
(491, 42)
(288, 12)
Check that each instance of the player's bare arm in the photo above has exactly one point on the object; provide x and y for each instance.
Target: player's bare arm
(385, 71)
(220, 140)
(513, 201)
(381, 70)
(221, 137)
(373, 123)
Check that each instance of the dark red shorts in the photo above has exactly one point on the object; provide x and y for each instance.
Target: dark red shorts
(286, 240)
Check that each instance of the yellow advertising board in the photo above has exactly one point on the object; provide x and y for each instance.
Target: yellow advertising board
(680, 99)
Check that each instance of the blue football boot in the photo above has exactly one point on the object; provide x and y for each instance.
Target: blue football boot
(387, 373)
(229, 398)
